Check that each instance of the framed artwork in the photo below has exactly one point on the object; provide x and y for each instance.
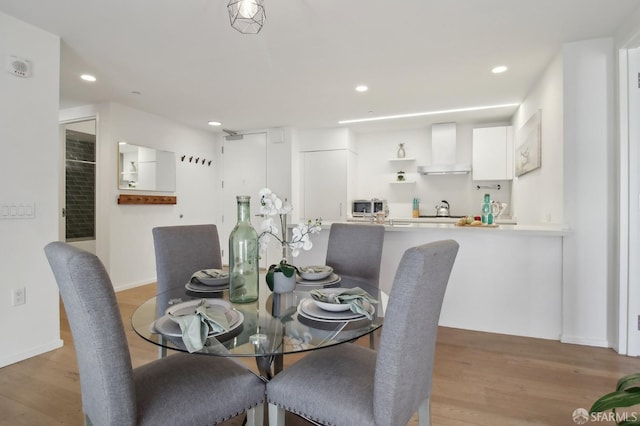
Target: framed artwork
(527, 155)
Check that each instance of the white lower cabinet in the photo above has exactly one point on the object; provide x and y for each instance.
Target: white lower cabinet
(492, 153)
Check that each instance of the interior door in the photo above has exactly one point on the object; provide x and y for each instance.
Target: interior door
(78, 195)
(244, 173)
(325, 184)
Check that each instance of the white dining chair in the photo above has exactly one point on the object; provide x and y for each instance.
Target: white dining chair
(180, 389)
(349, 384)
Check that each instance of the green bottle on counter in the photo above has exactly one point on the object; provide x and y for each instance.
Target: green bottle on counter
(487, 211)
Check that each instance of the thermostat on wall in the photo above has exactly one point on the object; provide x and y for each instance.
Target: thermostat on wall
(18, 66)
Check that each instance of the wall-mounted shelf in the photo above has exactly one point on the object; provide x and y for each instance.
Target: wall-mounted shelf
(402, 159)
(147, 199)
(403, 182)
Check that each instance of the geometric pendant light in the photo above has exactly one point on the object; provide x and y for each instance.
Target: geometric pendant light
(246, 16)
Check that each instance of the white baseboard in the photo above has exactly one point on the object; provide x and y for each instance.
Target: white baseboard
(133, 285)
(38, 350)
(574, 340)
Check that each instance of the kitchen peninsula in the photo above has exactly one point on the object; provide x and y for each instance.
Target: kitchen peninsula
(505, 280)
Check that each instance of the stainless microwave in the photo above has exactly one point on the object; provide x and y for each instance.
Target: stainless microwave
(361, 208)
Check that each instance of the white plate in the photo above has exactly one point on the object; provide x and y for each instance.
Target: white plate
(218, 277)
(201, 288)
(189, 307)
(165, 325)
(334, 307)
(315, 272)
(310, 310)
(331, 279)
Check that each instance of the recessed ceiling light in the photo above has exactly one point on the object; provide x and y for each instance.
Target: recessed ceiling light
(88, 77)
(422, 114)
(499, 69)
(214, 123)
(361, 88)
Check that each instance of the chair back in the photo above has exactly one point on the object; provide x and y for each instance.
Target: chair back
(106, 375)
(404, 367)
(183, 250)
(354, 251)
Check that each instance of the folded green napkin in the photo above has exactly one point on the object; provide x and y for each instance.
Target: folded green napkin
(196, 327)
(357, 299)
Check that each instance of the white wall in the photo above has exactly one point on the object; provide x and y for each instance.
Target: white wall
(124, 240)
(537, 197)
(589, 272)
(29, 170)
(376, 172)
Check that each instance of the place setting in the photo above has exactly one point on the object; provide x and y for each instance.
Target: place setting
(197, 320)
(208, 281)
(333, 305)
(316, 275)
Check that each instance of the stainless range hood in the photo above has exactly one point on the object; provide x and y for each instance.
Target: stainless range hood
(443, 152)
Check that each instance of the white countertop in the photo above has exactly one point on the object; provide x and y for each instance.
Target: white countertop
(445, 223)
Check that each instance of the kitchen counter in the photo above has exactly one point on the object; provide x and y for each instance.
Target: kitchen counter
(504, 225)
(506, 279)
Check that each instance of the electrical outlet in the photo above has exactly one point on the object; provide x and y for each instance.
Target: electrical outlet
(19, 296)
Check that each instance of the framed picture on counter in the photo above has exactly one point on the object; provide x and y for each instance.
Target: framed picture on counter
(527, 155)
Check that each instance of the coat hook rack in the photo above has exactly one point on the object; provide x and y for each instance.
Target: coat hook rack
(497, 186)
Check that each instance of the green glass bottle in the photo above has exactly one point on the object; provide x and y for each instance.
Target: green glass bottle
(243, 256)
(487, 211)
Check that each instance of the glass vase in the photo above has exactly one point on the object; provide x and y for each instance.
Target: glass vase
(243, 256)
(401, 153)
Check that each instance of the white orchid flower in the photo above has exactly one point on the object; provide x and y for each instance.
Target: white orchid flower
(270, 206)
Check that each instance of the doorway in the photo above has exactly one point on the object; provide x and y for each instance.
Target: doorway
(78, 222)
(245, 173)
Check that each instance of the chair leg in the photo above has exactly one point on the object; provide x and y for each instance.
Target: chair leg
(424, 413)
(372, 340)
(255, 415)
(276, 415)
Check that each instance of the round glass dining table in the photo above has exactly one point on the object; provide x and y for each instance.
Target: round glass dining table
(275, 325)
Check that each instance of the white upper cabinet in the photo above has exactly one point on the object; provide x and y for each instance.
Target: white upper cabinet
(492, 153)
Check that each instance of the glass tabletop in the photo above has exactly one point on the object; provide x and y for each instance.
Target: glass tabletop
(274, 325)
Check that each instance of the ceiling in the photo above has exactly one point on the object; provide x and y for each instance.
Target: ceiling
(182, 60)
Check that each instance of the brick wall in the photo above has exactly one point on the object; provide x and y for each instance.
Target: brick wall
(80, 186)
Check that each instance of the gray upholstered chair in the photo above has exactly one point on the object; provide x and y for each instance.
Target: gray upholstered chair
(354, 251)
(181, 251)
(181, 389)
(354, 385)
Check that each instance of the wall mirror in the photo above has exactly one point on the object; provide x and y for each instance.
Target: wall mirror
(146, 169)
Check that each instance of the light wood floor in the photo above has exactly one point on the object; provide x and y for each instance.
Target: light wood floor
(479, 378)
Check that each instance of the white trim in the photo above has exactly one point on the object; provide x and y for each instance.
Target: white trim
(38, 350)
(134, 284)
(586, 342)
(621, 345)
